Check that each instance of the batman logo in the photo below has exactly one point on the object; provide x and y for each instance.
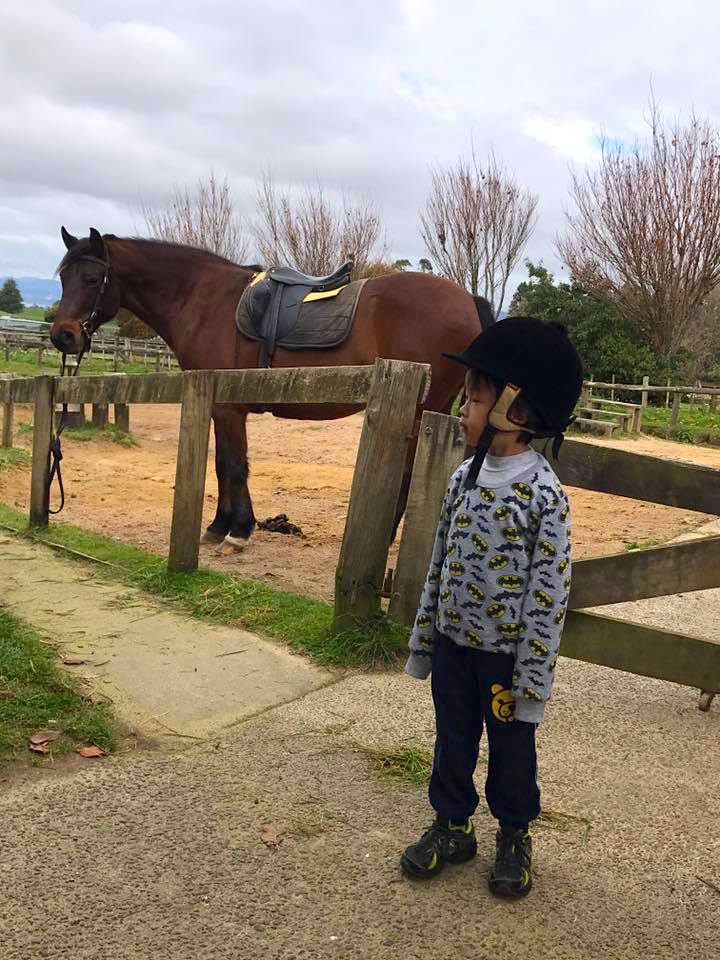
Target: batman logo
(463, 521)
(456, 568)
(531, 694)
(547, 549)
(522, 490)
(543, 599)
(559, 617)
(434, 576)
(565, 512)
(474, 639)
(511, 629)
(551, 668)
(423, 621)
(451, 549)
(534, 521)
(511, 581)
(515, 678)
(486, 495)
(453, 616)
(458, 502)
(479, 542)
(539, 649)
(475, 592)
(496, 611)
(503, 513)
(445, 596)
(567, 583)
(512, 534)
(563, 565)
(499, 563)
(427, 643)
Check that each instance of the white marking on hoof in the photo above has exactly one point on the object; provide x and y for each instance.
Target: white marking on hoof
(235, 543)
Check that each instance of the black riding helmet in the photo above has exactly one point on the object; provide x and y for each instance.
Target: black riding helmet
(534, 359)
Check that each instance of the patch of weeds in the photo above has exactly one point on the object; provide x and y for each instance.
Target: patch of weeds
(303, 624)
(410, 766)
(87, 433)
(24, 429)
(563, 822)
(35, 694)
(642, 545)
(13, 457)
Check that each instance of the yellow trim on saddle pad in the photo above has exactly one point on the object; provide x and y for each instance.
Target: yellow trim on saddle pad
(257, 278)
(323, 294)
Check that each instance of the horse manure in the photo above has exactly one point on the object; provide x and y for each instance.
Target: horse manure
(280, 524)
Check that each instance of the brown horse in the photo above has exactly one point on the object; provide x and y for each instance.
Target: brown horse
(188, 296)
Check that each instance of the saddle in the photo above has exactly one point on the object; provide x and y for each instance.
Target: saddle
(286, 308)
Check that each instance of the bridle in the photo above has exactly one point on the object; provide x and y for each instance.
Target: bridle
(89, 326)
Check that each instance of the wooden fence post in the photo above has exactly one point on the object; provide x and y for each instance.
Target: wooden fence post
(440, 451)
(122, 417)
(667, 396)
(677, 397)
(7, 431)
(644, 396)
(198, 393)
(100, 415)
(396, 390)
(42, 435)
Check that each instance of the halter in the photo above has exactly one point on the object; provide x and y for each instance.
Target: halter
(88, 326)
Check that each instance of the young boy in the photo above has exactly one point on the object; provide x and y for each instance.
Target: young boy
(492, 610)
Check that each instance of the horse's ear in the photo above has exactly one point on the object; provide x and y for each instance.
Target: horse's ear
(68, 239)
(97, 244)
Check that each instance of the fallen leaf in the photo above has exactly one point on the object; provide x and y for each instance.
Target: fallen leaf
(73, 662)
(92, 752)
(270, 836)
(44, 736)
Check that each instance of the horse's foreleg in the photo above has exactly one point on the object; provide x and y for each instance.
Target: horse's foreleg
(234, 504)
(407, 477)
(220, 527)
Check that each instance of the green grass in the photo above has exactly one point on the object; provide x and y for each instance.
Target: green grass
(23, 363)
(411, 766)
(31, 313)
(11, 457)
(88, 432)
(642, 545)
(301, 623)
(696, 424)
(35, 695)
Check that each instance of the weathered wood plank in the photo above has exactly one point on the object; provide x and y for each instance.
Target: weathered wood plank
(42, 435)
(122, 417)
(641, 477)
(7, 428)
(640, 574)
(338, 385)
(397, 388)
(17, 389)
(440, 451)
(121, 388)
(197, 401)
(100, 415)
(647, 651)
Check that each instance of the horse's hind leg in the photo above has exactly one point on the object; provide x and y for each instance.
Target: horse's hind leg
(234, 520)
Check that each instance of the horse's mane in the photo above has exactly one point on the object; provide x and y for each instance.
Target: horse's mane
(84, 248)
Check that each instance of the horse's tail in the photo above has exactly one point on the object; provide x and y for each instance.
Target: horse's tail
(485, 312)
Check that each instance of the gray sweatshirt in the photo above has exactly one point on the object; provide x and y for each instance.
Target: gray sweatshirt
(499, 576)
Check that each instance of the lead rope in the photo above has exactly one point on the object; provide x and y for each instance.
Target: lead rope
(55, 447)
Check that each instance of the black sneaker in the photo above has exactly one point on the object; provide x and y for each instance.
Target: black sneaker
(512, 874)
(444, 842)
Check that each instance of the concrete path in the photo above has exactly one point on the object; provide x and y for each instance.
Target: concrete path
(277, 841)
(163, 672)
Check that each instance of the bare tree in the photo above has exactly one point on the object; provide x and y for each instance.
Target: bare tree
(703, 340)
(204, 217)
(645, 234)
(475, 224)
(312, 234)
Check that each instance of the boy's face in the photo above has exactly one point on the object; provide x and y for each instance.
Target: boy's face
(480, 399)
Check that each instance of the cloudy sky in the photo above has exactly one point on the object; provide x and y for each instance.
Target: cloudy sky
(107, 106)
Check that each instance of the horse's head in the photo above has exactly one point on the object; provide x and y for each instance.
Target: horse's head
(90, 295)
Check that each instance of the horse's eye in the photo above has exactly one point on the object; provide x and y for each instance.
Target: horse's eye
(90, 280)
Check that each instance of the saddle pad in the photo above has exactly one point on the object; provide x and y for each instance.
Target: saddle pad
(321, 321)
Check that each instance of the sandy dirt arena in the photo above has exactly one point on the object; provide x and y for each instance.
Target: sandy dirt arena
(303, 469)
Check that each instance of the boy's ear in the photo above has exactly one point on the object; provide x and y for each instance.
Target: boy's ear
(517, 415)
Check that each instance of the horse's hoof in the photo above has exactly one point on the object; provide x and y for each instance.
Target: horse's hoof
(233, 544)
(210, 537)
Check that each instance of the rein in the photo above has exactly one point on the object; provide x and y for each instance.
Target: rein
(88, 326)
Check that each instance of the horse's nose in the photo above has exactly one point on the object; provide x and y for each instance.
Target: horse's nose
(65, 340)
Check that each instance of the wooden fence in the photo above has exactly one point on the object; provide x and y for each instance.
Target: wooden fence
(390, 390)
(657, 572)
(152, 352)
(696, 394)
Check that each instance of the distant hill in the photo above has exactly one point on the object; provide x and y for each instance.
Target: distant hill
(38, 291)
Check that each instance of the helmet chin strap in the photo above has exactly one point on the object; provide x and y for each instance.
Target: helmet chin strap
(498, 422)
